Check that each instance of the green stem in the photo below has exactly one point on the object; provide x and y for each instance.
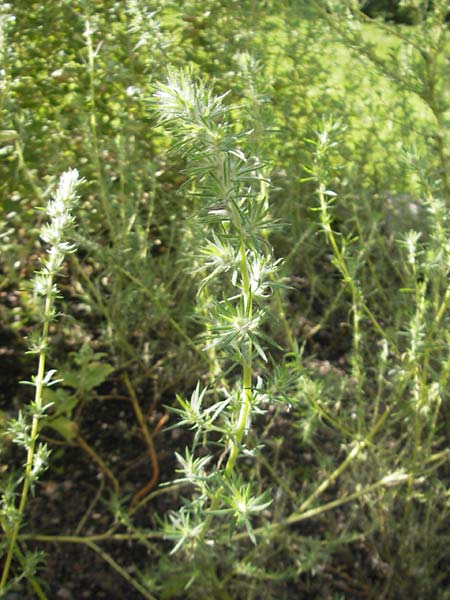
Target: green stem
(246, 394)
(299, 515)
(359, 446)
(22, 166)
(342, 265)
(121, 571)
(21, 558)
(243, 414)
(419, 391)
(93, 132)
(164, 311)
(87, 539)
(39, 383)
(263, 198)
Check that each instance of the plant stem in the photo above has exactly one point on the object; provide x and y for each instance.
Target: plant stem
(246, 394)
(149, 441)
(99, 460)
(84, 518)
(39, 384)
(91, 53)
(21, 558)
(79, 539)
(298, 516)
(120, 570)
(164, 310)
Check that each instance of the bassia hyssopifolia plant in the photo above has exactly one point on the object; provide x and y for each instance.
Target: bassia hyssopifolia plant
(25, 429)
(236, 269)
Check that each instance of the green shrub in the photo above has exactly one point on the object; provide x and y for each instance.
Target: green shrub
(310, 393)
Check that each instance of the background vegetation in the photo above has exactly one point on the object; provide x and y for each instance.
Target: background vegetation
(283, 248)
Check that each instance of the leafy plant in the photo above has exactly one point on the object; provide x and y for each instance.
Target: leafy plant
(312, 435)
(231, 190)
(25, 429)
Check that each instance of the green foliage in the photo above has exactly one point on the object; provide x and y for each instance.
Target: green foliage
(234, 209)
(25, 429)
(309, 395)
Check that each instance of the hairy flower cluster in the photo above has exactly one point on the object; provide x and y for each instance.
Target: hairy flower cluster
(55, 232)
(180, 99)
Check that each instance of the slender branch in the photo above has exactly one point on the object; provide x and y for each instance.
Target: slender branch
(99, 460)
(149, 441)
(298, 516)
(121, 571)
